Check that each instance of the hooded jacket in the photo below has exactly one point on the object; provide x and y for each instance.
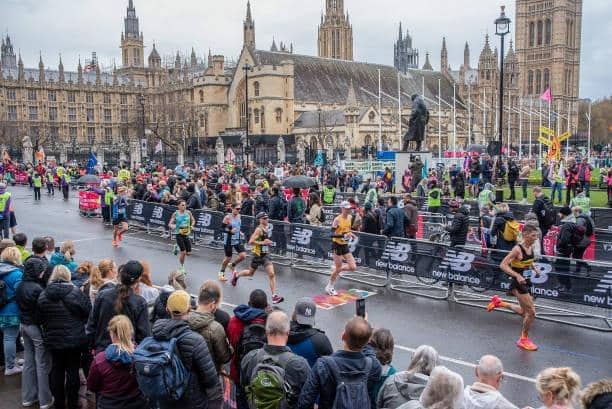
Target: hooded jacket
(11, 276)
(400, 388)
(308, 342)
(111, 377)
(58, 259)
(63, 313)
(243, 316)
(204, 388)
(204, 324)
(459, 227)
(483, 396)
(598, 395)
(30, 289)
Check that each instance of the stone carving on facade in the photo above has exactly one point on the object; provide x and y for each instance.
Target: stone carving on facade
(28, 149)
(301, 149)
(220, 150)
(281, 152)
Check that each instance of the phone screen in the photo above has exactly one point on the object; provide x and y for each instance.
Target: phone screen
(360, 307)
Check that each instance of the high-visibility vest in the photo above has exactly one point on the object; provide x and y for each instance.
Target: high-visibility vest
(328, 194)
(109, 196)
(60, 171)
(434, 201)
(4, 197)
(584, 203)
(49, 178)
(37, 180)
(484, 198)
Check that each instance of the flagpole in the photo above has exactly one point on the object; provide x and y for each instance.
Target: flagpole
(530, 124)
(589, 132)
(520, 132)
(439, 119)
(454, 119)
(569, 129)
(484, 115)
(379, 114)
(540, 143)
(469, 115)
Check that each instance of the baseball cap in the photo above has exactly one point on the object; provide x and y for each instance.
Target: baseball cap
(305, 311)
(345, 205)
(261, 215)
(179, 302)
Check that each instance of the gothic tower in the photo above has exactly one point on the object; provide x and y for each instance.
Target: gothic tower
(132, 47)
(248, 29)
(335, 32)
(444, 68)
(404, 56)
(8, 58)
(548, 42)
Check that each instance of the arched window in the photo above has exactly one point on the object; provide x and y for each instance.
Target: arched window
(263, 118)
(530, 82)
(201, 96)
(546, 79)
(256, 88)
(279, 115)
(540, 31)
(531, 34)
(367, 141)
(548, 37)
(256, 115)
(538, 82)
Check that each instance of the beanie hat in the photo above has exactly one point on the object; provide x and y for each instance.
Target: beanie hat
(179, 302)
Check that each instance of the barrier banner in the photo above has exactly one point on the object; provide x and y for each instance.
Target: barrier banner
(208, 223)
(603, 246)
(310, 240)
(89, 201)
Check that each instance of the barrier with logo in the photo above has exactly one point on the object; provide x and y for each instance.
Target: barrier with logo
(89, 203)
(414, 266)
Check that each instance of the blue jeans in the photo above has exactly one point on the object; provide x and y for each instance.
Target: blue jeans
(558, 187)
(10, 345)
(36, 367)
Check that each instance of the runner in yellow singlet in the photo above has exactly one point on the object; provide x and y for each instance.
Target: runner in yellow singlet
(519, 264)
(341, 234)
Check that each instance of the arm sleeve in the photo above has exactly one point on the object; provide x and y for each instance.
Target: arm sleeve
(311, 389)
(208, 373)
(143, 326)
(220, 346)
(298, 372)
(321, 344)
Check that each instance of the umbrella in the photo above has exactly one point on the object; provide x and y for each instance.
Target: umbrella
(300, 182)
(88, 180)
(477, 148)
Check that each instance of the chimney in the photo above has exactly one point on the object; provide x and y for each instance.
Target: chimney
(218, 64)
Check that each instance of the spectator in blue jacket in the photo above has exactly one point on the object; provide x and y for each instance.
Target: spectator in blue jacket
(11, 275)
(305, 340)
(394, 226)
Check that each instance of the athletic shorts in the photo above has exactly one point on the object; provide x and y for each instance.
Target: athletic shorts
(340, 249)
(260, 261)
(183, 242)
(239, 248)
(474, 181)
(119, 220)
(12, 220)
(520, 288)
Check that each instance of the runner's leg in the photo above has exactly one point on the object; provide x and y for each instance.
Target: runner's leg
(271, 277)
(350, 263)
(528, 307)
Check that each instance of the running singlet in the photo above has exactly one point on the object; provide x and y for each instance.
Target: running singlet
(524, 266)
(120, 208)
(233, 239)
(344, 227)
(183, 223)
(258, 249)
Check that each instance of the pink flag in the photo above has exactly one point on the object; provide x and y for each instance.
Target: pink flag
(546, 96)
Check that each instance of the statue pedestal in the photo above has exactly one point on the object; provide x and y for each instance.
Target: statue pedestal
(403, 160)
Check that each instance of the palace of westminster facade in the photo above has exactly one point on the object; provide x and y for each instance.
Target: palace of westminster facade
(297, 105)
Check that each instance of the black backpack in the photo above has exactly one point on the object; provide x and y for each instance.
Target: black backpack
(4, 298)
(578, 233)
(589, 224)
(550, 214)
(253, 337)
(351, 386)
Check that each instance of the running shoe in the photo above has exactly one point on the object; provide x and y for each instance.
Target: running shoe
(526, 344)
(115, 244)
(175, 250)
(221, 276)
(277, 299)
(13, 371)
(181, 269)
(496, 302)
(234, 278)
(329, 289)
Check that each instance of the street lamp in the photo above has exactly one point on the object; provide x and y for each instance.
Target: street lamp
(502, 27)
(245, 155)
(141, 100)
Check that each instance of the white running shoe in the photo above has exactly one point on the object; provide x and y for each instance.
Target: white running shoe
(330, 290)
(13, 371)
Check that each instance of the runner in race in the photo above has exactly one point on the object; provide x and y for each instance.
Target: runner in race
(519, 265)
(232, 240)
(119, 216)
(182, 221)
(261, 256)
(341, 234)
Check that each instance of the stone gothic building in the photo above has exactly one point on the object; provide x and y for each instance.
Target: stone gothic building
(335, 32)
(404, 55)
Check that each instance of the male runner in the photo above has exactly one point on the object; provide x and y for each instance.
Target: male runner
(182, 221)
(341, 234)
(232, 240)
(261, 249)
(119, 216)
(519, 264)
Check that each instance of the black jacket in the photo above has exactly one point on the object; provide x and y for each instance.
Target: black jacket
(308, 342)
(63, 312)
(369, 223)
(204, 389)
(564, 239)
(539, 209)
(459, 227)
(194, 202)
(29, 290)
(135, 308)
(277, 208)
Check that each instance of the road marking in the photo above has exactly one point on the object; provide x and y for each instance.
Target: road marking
(470, 365)
(89, 239)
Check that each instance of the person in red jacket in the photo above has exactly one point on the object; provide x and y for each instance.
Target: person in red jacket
(111, 376)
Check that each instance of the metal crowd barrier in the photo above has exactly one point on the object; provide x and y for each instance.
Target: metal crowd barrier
(467, 276)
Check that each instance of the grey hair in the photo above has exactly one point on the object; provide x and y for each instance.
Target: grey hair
(277, 323)
(424, 360)
(489, 366)
(443, 391)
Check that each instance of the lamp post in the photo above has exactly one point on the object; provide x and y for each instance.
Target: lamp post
(502, 28)
(141, 101)
(246, 147)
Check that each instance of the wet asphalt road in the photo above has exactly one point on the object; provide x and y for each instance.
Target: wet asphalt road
(460, 333)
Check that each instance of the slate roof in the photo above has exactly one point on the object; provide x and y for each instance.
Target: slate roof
(327, 80)
(53, 75)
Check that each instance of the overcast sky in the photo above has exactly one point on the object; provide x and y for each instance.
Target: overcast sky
(77, 27)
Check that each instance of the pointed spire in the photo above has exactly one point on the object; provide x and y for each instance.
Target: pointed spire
(248, 29)
(194, 58)
(61, 70)
(115, 79)
(209, 58)
(291, 47)
(427, 66)
(177, 61)
(444, 57)
(98, 77)
(273, 47)
(41, 70)
(21, 72)
(466, 56)
(185, 72)
(249, 17)
(351, 98)
(80, 72)
(400, 31)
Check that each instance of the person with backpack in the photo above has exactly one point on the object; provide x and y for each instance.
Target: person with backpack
(11, 276)
(111, 375)
(188, 380)
(246, 332)
(315, 215)
(273, 376)
(545, 212)
(345, 379)
(278, 211)
(504, 231)
(304, 339)
(296, 208)
(570, 235)
(583, 221)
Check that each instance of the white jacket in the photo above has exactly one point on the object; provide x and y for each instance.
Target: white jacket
(483, 396)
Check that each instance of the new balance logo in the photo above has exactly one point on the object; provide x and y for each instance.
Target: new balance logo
(396, 251)
(301, 236)
(458, 261)
(204, 219)
(158, 212)
(137, 209)
(605, 284)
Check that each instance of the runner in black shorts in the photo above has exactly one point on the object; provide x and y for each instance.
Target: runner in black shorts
(519, 265)
(232, 241)
(119, 213)
(182, 221)
(261, 256)
(341, 234)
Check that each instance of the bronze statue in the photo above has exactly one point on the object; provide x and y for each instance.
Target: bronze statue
(419, 118)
